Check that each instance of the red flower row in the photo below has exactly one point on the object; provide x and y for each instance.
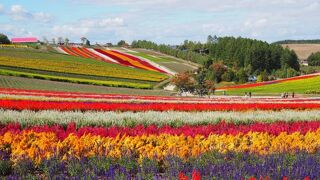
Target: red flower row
(105, 106)
(21, 92)
(205, 130)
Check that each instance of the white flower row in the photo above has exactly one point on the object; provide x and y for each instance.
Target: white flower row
(173, 118)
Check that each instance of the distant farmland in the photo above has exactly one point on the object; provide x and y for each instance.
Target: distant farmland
(303, 50)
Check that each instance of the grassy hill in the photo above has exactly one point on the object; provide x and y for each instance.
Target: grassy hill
(170, 62)
(54, 66)
(303, 50)
(301, 86)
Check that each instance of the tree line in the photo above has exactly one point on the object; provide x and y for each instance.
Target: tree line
(233, 59)
(185, 54)
(314, 59)
(312, 41)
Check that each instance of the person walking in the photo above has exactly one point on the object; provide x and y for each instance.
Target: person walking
(293, 94)
(250, 94)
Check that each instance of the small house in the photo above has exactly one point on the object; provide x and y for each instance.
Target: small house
(25, 40)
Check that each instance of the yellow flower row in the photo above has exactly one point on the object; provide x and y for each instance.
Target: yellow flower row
(80, 67)
(46, 144)
(13, 46)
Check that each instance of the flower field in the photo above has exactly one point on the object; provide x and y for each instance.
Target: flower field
(37, 64)
(52, 134)
(299, 84)
(113, 56)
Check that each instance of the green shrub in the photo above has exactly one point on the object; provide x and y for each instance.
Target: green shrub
(24, 167)
(312, 92)
(314, 59)
(5, 167)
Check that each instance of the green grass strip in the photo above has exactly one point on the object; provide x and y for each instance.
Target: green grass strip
(76, 80)
(297, 86)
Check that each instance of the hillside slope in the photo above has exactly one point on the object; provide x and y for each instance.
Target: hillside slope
(43, 64)
(303, 50)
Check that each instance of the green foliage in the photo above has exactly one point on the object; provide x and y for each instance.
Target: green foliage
(309, 69)
(184, 82)
(243, 52)
(218, 69)
(289, 59)
(312, 41)
(314, 59)
(182, 52)
(4, 39)
(5, 167)
(122, 43)
(228, 76)
(312, 92)
(263, 76)
(242, 76)
(24, 167)
(75, 167)
(52, 166)
(297, 86)
(203, 86)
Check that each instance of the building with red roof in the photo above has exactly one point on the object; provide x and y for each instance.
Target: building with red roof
(24, 40)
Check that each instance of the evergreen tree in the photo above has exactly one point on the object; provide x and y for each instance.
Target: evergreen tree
(314, 59)
(4, 39)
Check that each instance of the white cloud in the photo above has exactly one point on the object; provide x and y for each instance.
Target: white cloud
(89, 27)
(256, 24)
(18, 13)
(1, 9)
(172, 21)
(13, 31)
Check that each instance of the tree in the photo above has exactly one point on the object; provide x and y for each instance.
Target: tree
(242, 76)
(4, 39)
(209, 39)
(228, 76)
(45, 41)
(66, 41)
(314, 59)
(203, 86)
(290, 59)
(122, 43)
(60, 40)
(263, 76)
(53, 41)
(184, 82)
(87, 43)
(84, 40)
(218, 69)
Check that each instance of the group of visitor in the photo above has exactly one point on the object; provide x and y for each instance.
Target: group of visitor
(285, 95)
(248, 94)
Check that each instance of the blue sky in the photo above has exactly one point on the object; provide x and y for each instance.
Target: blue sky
(162, 21)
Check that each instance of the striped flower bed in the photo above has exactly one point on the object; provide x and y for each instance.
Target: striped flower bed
(256, 150)
(112, 56)
(48, 134)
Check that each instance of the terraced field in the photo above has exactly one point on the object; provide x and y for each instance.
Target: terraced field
(300, 85)
(54, 64)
